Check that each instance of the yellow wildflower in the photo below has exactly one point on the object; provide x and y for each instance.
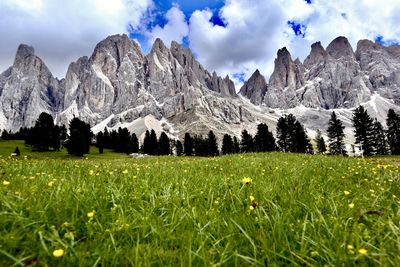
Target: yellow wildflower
(50, 184)
(125, 172)
(91, 172)
(346, 193)
(6, 183)
(58, 253)
(351, 205)
(350, 247)
(251, 198)
(247, 181)
(362, 251)
(251, 207)
(91, 214)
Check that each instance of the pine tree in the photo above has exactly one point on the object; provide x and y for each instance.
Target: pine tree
(264, 140)
(227, 145)
(201, 147)
(188, 145)
(393, 132)
(147, 143)
(17, 152)
(43, 133)
(100, 142)
(179, 148)
(282, 133)
(363, 130)
(321, 146)
(336, 136)
(164, 145)
(86, 133)
(236, 145)
(76, 144)
(153, 143)
(379, 139)
(246, 144)
(212, 144)
(135, 143)
(299, 141)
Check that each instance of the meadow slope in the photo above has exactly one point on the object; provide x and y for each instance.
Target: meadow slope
(254, 209)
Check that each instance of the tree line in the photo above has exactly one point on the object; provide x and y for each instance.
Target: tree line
(291, 136)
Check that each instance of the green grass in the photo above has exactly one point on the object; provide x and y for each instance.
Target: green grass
(169, 211)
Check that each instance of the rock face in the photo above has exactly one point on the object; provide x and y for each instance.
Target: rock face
(255, 88)
(336, 77)
(27, 88)
(168, 88)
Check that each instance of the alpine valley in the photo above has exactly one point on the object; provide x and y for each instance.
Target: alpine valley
(169, 90)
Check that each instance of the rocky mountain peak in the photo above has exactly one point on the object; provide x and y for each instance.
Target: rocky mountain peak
(25, 51)
(159, 47)
(317, 55)
(340, 47)
(255, 88)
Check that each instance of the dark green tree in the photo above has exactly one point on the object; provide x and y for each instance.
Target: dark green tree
(147, 143)
(43, 133)
(76, 144)
(363, 130)
(336, 136)
(153, 143)
(227, 145)
(5, 135)
(379, 139)
(179, 148)
(164, 146)
(134, 143)
(85, 137)
(100, 142)
(201, 147)
(393, 132)
(282, 133)
(321, 145)
(212, 144)
(188, 145)
(246, 143)
(236, 145)
(264, 139)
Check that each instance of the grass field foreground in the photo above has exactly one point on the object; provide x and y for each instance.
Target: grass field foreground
(253, 209)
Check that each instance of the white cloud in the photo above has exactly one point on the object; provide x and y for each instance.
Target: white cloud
(175, 30)
(257, 29)
(253, 32)
(61, 31)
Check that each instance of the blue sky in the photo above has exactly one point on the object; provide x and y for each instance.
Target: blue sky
(232, 37)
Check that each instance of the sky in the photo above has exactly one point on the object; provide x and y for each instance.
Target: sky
(231, 37)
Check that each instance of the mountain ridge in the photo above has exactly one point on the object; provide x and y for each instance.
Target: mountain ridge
(170, 90)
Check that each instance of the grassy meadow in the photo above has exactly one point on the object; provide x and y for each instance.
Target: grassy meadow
(270, 209)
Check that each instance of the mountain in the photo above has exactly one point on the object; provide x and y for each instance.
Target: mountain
(169, 90)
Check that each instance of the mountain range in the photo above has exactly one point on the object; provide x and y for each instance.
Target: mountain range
(169, 90)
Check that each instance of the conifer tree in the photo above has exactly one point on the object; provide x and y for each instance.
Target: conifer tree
(135, 143)
(153, 142)
(282, 133)
(363, 130)
(379, 139)
(100, 142)
(76, 144)
(188, 145)
(179, 148)
(264, 140)
(393, 132)
(236, 145)
(164, 144)
(227, 145)
(84, 129)
(147, 143)
(336, 136)
(212, 144)
(246, 144)
(43, 132)
(321, 146)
